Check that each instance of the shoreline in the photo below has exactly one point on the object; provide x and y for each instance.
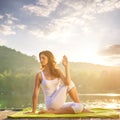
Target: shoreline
(5, 113)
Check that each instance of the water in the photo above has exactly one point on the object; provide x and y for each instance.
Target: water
(109, 100)
(89, 100)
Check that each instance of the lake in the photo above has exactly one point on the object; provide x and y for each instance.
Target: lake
(89, 100)
(101, 100)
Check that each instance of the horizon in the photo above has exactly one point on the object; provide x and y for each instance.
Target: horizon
(59, 62)
(85, 31)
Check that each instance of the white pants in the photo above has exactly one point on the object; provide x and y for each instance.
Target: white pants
(58, 98)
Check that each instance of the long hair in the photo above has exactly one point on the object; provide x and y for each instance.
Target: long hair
(51, 63)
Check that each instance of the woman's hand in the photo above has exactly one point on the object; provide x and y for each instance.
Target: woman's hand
(65, 61)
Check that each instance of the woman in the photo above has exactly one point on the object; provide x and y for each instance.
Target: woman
(55, 93)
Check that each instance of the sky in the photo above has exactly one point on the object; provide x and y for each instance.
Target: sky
(83, 30)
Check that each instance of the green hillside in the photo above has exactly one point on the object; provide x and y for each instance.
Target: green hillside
(13, 60)
(93, 78)
(17, 72)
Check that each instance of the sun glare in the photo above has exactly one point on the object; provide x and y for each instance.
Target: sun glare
(89, 54)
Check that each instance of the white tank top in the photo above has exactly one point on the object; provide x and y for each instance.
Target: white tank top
(49, 86)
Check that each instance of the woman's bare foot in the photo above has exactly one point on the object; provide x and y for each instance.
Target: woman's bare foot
(46, 111)
(42, 111)
(30, 113)
(86, 111)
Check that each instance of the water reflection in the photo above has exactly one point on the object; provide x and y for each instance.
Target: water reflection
(110, 100)
(99, 94)
(90, 100)
(103, 104)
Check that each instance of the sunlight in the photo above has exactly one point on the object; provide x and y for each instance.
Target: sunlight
(111, 105)
(89, 54)
(112, 94)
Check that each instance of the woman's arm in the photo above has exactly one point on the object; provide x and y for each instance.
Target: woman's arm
(36, 92)
(66, 79)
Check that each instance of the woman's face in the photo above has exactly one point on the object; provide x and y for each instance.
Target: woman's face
(43, 60)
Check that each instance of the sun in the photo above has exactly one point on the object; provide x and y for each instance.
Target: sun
(89, 54)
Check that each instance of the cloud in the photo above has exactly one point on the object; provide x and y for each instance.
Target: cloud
(113, 60)
(1, 17)
(21, 26)
(37, 32)
(93, 7)
(3, 42)
(6, 30)
(10, 20)
(108, 5)
(56, 29)
(111, 50)
(79, 13)
(10, 24)
(10, 17)
(111, 54)
(42, 8)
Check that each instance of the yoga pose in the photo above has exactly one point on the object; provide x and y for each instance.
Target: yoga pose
(56, 86)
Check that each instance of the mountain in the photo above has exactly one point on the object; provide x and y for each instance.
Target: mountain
(12, 60)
